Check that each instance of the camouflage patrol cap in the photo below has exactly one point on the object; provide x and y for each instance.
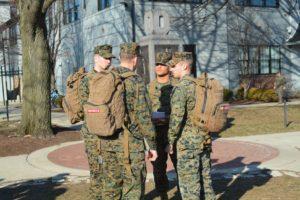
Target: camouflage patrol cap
(181, 56)
(163, 58)
(170, 64)
(104, 51)
(130, 48)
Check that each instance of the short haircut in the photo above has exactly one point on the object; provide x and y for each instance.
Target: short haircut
(127, 57)
(187, 62)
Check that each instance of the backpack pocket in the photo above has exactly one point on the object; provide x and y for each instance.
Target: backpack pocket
(99, 119)
(74, 117)
(217, 122)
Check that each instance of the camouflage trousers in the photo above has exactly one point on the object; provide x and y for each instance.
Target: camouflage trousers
(160, 164)
(92, 143)
(207, 191)
(119, 183)
(194, 175)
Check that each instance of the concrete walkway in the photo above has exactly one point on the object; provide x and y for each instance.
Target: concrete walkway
(58, 118)
(271, 104)
(288, 145)
(36, 168)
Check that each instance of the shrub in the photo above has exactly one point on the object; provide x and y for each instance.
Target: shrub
(266, 95)
(228, 94)
(257, 94)
(251, 93)
(239, 94)
(269, 96)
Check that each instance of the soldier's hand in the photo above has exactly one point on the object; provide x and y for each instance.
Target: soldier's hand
(152, 155)
(169, 149)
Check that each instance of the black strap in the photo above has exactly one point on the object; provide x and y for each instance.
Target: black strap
(205, 96)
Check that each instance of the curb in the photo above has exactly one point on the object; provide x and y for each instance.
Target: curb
(39, 159)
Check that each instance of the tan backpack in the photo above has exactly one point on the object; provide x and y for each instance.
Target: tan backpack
(209, 113)
(71, 102)
(105, 109)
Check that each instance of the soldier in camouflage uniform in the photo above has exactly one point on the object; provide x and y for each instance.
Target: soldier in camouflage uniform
(159, 91)
(102, 60)
(124, 175)
(188, 138)
(207, 191)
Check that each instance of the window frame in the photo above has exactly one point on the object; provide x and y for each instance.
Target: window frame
(179, 1)
(104, 4)
(247, 3)
(248, 60)
(71, 11)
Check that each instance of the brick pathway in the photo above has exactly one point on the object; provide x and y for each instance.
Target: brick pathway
(226, 154)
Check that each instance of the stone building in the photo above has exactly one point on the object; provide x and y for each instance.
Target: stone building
(232, 40)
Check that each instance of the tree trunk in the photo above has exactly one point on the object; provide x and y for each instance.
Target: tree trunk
(53, 80)
(36, 109)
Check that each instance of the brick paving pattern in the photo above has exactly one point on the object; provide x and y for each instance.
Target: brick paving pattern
(226, 154)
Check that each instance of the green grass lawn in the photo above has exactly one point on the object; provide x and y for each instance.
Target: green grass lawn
(262, 120)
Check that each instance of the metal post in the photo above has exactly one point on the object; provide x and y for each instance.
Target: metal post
(5, 74)
(285, 121)
(2, 84)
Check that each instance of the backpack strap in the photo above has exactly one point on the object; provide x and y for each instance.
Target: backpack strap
(127, 132)
(205, 94)
(126, 160)
(191, 79)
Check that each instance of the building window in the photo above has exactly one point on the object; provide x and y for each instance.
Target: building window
(71, 11)
(258, 3)
(102, 4)
(161, 22)
(179, 1)
(259, 60)
(143, 64)
(13, 35)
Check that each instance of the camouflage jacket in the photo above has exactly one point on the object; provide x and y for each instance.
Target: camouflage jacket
(139, 119)
(181, 129)
(160, 97)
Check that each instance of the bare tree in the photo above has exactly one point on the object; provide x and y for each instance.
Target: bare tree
(246, 39)
(36, 110)
(55, 36)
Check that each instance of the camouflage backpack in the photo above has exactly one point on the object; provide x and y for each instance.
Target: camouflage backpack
(105, 109)
(209, 113)
(71, 102)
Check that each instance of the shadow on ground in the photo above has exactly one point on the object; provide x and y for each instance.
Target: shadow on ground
(39, 189)
(227, 187)
(235, 185)
(230, 186)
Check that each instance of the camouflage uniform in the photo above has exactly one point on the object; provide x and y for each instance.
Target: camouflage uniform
(207, 191)
(160, 94)
(92, 141)
(188, 138)
(118, 181)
